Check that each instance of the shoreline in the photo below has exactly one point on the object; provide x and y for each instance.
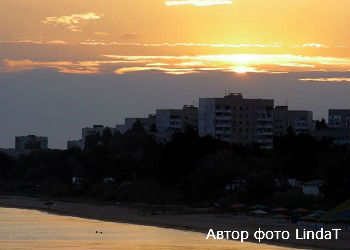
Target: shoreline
(200, 223)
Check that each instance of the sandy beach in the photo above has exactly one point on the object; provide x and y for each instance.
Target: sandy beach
(193, 222)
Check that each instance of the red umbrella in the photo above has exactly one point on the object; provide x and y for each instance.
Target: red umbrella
(238, 205)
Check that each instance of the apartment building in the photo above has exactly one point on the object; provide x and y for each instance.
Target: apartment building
(26, 144)
(339, 118)
(95, 130)
(301, 121)
(169, 121)
(237, 120)
(75, 144)
(147, 123)
(339, 125)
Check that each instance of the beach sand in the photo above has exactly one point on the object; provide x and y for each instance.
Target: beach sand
(193, 222)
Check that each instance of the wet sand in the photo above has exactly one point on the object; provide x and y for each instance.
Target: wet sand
(193, 222)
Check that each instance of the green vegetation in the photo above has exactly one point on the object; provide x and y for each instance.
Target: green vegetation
(189, 169)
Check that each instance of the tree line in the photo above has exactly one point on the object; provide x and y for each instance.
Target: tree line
(187, 169)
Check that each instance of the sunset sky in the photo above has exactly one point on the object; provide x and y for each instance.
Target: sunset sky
(65, 64)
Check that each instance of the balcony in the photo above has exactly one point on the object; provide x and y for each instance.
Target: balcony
(226, 118)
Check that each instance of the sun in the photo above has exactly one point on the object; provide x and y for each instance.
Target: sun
(242, 69)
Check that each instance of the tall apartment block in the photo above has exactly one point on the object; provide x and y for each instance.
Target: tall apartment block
(301, 121)
(26, 144)
(237, 120)
(169, 121)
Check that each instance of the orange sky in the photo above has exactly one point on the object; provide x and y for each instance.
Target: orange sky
(274, 36)
(67, 64)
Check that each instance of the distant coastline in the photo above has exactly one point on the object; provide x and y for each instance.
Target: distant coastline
(192, 222)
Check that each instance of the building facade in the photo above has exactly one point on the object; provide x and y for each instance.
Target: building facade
(339, 125)
(95, 130)
(339, 119)
(147, 123)
(27, 144)
(75, 144)
(313, 188)
(169, 121)
(237, 120)
(301, 121)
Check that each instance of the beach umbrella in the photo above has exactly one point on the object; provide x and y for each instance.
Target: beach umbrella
(280, 210)
(258, 207)
(321, 212)
(280, 216)
(318, 214)
(238, 206)
(259, 212)
(301, 211)
(309, 218)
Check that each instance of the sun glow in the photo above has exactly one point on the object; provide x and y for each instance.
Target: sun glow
(243, 69)
(238, 63)
(197, 2)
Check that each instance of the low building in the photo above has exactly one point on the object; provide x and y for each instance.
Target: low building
(78, 144)
(294, 183)
(337, 129)
(313, 188)
(10, 152)
(237, 120)
(148, 123)
(95, 130)
(338, 137)
(169, 121)
(235, 185)
(301, 121)
(27, 144)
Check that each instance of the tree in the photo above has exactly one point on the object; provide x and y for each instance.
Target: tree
(6, 163)
(321, 124)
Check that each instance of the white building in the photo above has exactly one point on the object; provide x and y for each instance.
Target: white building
(313, 188)
(169, 121)
(237, 120)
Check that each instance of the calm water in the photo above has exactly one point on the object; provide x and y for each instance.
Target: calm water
(30, 229)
